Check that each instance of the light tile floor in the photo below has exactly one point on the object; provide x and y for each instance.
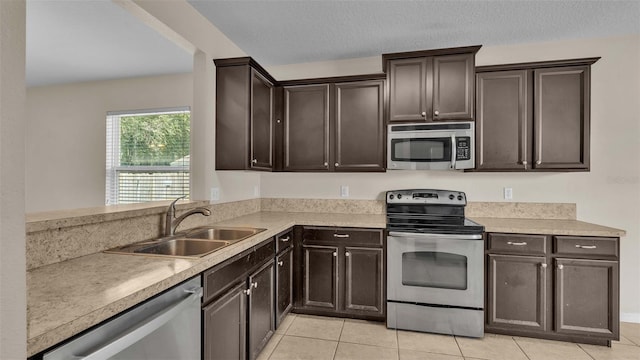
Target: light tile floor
(320, 338)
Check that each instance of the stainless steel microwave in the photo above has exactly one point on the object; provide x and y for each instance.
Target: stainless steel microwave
(431, 146)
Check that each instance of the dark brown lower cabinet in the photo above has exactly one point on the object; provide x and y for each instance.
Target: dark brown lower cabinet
(565, 291)
(284, 281)
(225, 325)
(341, 272)
(586, 297)
(518, 292)
(239, 305)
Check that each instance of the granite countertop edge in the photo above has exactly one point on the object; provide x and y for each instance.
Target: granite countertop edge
(148, 276)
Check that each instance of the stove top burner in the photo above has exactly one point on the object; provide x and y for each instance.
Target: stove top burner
(429, 211)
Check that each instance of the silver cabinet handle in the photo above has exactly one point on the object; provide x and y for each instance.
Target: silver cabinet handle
(335, 254)
(247, 292)
(284, 239)
(278, 121)
(255, 161)
(586, 246)
(524, 162)
(436, 113)
(347, 254)
(538, 162)
(280, 263)
(341, 235)
(336, 164)
(424, 113)
(560, 267)
(543, 265)
(326, 164)
(523, 243)
(255, 284)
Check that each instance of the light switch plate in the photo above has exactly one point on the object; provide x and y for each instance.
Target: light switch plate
(344, 190)
(215, 193)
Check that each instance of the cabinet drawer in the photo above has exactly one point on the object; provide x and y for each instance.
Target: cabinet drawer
(223, 276)
(353, 236)
(585, 246)
(284, 240)
(518, 243)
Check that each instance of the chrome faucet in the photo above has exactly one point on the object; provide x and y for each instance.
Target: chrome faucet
(172, 221)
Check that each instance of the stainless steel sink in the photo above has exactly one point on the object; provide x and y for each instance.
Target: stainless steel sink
(183, 247)
(222, 233)
(196, 242)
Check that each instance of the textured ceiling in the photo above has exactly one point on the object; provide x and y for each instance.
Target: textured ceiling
(284, 32)
(72, 41)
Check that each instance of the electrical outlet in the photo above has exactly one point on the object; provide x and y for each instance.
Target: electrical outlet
(344, 190)
(508, 193)
(215, 193)
(256, 191)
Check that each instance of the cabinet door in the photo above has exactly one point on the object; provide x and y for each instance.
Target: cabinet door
(517, 292)
(284, 284)
(320, 279)
(359, 126)
(453, 87)
(364, 284)
(261, 123)
(587, 297)
(225, 326)
(261, 308)
(306, 133)
(408, 89)
(561, 122)
(503, 122)
(232, 117)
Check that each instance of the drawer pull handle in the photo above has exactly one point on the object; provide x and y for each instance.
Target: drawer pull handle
(280, 262)
(335, 254)
(347, 254)
(560, 267)
(543, 265)
(586, 246)
(255, 284)
(284, 239)
(247, 292)
(517, 243)
(341, 235)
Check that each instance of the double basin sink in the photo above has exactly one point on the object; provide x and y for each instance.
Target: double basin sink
(194, 243)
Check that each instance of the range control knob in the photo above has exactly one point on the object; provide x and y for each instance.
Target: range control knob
(391, 196)
(399, 196)
(460, 197)
(451, 196)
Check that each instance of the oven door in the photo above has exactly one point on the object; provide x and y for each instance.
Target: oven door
(436, 269)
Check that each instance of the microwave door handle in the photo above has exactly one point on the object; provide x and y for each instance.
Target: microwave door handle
(453, 151)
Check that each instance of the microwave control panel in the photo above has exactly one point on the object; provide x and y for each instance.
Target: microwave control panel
(463, 148)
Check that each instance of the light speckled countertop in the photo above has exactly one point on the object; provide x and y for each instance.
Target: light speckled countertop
(66, 298)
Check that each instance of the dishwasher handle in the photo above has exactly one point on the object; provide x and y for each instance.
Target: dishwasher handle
(140, 331)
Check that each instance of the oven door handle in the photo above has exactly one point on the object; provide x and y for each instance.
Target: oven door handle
(440, 236)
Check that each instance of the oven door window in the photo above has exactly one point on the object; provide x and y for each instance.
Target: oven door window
(421, 149)
(434, 269)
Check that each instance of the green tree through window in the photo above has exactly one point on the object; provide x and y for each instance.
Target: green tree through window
(147, 155)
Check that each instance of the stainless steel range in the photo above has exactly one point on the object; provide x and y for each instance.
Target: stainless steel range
(435, 272)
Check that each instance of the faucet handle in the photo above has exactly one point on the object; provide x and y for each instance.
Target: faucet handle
(173, 203)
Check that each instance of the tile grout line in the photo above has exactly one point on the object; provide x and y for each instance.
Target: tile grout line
(335, 352)
(585, 351)
(520, 347)
(455, 338)
(274, 348)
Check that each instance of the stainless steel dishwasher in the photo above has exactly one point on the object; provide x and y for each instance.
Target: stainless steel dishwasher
(164, 327)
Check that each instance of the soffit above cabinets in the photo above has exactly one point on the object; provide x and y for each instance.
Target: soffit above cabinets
(289, 32)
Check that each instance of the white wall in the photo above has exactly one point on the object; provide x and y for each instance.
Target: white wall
(66, 134)
(609, 194)
(13, 281)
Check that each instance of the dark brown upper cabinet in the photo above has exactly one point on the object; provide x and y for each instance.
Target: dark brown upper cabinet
(431, 85)
(245, 111)
(336, 125)
(533, 116)
(306, 128)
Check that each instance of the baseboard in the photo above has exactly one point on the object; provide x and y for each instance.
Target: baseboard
(630, 317)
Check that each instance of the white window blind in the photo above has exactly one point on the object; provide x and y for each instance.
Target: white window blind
(148, 155)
